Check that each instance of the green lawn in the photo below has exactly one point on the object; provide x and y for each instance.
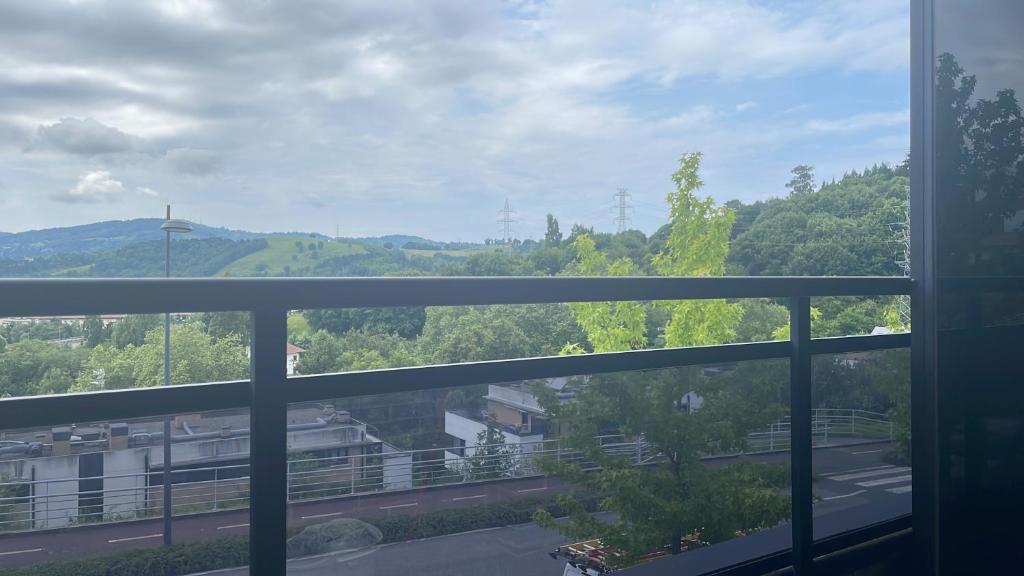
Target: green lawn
(282, 255)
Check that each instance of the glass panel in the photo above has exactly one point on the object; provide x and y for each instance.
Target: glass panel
(90, 494)
(629, 458)
(861, 439)
(55, 355)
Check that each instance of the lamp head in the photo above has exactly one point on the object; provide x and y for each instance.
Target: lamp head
(176, 226)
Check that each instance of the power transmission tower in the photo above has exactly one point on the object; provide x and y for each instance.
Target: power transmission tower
(506, 222)
(623, 220)
(901, 248)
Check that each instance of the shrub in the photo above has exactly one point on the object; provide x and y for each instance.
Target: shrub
(233, 551)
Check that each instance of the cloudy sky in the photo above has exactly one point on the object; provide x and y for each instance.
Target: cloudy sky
(404, 116)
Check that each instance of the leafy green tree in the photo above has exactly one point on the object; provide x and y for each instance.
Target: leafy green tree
(657, 505)
(553, 236)
(492, 457)
(223, 324)
(407, 322)
(24, 366)
(475, 333)
(322, 355)
(131, 330)
(94, 331)
(54, 381)
(760, 320)
(802, 181)
(195, 357)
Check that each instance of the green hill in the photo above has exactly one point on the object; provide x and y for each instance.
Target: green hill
(289, 256)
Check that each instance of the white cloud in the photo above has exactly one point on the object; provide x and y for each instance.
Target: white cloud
(446, 107)
(92, 187)
(147, 191)
(859, 122)
(700, 115)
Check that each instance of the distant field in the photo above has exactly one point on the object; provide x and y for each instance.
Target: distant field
(281, 255)
(463, 252)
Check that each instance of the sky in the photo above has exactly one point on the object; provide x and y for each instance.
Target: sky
(410, 117)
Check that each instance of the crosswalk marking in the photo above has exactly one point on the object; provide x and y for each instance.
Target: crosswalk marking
(859, 475)
(883, 481)
(828, 474)
(900, 489)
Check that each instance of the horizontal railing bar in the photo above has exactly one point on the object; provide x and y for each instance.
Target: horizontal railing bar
(134, 403)
(63, 296)
(374, 382)
(127, 404)
(866, 343)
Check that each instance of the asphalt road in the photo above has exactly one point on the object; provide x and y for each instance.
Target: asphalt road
(848, 478)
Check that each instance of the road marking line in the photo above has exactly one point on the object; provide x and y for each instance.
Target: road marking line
(867, 452)
(116, 540)
(325, 515)
(860, 475)
(400, 506)
(858, 470)
(532, 489)
(893, 480)
(845, 495)
(232, 526)
(469, 497)
(900, 489)
(13, 552)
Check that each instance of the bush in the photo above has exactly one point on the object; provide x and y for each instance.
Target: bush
(233, 551)
(339, 534)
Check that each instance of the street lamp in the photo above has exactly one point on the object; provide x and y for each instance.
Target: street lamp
(169, 227)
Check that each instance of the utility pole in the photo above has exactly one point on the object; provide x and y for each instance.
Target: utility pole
(623, 220)
(506, 221)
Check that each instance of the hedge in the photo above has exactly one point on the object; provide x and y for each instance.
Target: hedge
(233, 551)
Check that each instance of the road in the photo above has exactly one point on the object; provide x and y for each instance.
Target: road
(847, 477)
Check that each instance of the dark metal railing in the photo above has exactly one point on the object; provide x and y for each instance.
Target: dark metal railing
(270, 300)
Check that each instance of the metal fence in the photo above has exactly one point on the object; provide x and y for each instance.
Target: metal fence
(267, 396)
(42, 504)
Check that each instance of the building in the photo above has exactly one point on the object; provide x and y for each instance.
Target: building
(103, 471)
(293, 353)
(514, 410)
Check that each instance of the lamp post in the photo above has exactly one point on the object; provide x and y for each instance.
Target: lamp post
(169, 227)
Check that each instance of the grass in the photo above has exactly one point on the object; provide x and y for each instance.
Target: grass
(461, 252)
(282, 256)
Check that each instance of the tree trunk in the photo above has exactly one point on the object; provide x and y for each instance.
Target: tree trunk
(677, 536)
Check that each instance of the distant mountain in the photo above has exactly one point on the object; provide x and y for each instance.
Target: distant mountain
(104, 236)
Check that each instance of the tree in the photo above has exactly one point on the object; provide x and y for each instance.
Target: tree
(24, 366)
(802, 181)
(131, 330)
(553, 236)
(94, 331)
(492, 457)
(657, 505)
(322, 355)
(195, 357)
(407, 322)
(223, 324)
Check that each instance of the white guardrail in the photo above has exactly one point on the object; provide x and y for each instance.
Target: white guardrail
(53, 503)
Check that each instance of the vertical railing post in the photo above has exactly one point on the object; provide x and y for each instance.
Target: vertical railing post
(800, 433)
(269, 443)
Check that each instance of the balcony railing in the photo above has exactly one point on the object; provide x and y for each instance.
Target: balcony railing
(267, 398)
